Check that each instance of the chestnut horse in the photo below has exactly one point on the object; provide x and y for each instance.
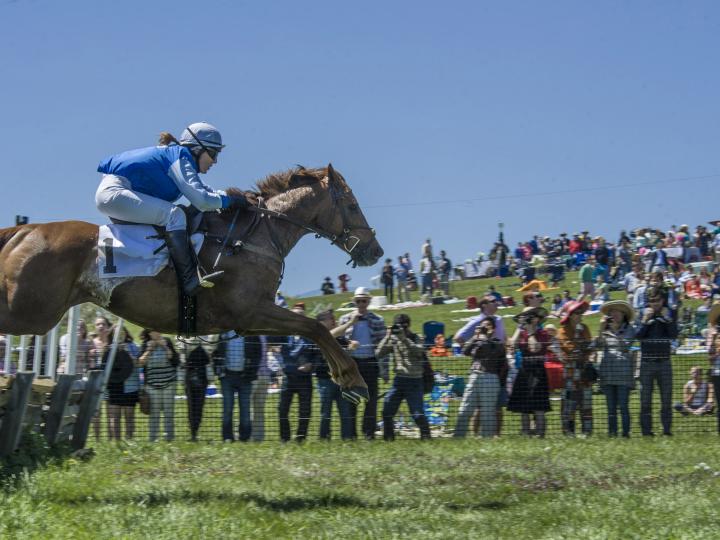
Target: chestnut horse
(47, 268)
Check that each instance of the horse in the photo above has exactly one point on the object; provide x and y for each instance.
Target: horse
(47, 268)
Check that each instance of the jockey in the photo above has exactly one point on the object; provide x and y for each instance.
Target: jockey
(140, 186)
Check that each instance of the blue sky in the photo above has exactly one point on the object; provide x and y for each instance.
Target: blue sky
(474, 105)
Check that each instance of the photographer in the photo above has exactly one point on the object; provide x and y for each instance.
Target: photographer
(408, 356)
(656, 332)
(487, 375)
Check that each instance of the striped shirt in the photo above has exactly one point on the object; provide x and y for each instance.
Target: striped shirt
(159, 372)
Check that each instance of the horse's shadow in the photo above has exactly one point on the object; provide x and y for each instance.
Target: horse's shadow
(152, 499)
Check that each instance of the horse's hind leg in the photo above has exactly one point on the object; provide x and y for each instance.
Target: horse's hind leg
(274, 320)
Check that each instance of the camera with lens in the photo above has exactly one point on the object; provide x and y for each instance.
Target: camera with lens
(397, 330)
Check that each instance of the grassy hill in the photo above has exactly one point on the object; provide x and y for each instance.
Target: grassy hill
(447, 313)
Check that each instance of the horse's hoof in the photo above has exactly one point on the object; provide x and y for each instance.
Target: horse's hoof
(356, 394)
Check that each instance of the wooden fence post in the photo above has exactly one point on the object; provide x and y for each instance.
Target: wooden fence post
(37, 354)
(58, 404)
(52, 351)
(88, 407)
(8, 353)
(23, 352)
(70, 361)
(12, 421)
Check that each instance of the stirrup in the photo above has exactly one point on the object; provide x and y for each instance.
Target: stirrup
(205, 280)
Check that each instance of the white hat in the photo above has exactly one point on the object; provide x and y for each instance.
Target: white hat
(362, 292)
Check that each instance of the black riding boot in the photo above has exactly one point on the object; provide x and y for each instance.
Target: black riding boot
(179, 247)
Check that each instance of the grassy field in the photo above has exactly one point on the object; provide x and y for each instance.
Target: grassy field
(505, 488)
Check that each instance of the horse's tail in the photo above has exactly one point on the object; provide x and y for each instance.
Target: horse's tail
(6, 235)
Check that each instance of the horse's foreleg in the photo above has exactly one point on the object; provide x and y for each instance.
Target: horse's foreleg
(274, 320)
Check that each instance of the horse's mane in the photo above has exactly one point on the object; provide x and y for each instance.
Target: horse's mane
(280, 182)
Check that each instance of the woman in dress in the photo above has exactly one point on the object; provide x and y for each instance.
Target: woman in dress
(530, 394)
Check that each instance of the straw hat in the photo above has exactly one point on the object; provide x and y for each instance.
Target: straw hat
(620, 305)
(540, 312)
(713, 315)
(362, 292)
(576, 306)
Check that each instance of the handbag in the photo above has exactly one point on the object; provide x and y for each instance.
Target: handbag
(589, 373)
(144, 401)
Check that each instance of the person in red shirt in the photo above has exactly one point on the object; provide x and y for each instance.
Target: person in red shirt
(343, 279)
(575, 245)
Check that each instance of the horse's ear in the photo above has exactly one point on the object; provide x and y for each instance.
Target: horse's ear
(332, 176)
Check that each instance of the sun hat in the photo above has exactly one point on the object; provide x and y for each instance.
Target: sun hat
(620, 305)
(576, 306)
(362, 292)
(539, 312)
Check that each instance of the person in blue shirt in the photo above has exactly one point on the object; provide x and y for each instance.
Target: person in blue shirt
(297, 355)
(142, 185)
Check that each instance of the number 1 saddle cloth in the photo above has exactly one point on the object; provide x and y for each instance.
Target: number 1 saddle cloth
(133, 250)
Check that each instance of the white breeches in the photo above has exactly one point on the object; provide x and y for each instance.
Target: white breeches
(115, 198)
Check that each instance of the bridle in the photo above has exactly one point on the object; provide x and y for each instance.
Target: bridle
(346, 240)
(337, 196)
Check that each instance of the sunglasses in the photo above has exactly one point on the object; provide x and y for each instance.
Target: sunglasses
(212, 152)
(362, 301)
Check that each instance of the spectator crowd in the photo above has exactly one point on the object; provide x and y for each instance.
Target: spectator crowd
(550, 350)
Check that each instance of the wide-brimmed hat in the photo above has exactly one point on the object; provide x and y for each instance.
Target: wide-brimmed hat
(362, 292)
(576, 306)
(540, 312)
(620, 305)
(713, 315)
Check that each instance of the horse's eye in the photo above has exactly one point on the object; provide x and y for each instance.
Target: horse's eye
(353, 207)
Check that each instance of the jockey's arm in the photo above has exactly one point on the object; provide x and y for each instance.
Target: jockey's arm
(188, 182)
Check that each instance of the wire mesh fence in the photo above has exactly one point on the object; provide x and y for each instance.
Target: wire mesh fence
(204, 395)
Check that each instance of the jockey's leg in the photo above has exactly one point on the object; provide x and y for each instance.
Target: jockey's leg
(115, 199)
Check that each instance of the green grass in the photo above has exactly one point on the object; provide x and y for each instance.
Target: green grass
(505, 488)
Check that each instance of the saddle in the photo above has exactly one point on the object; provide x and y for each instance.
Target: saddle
(187, 305)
